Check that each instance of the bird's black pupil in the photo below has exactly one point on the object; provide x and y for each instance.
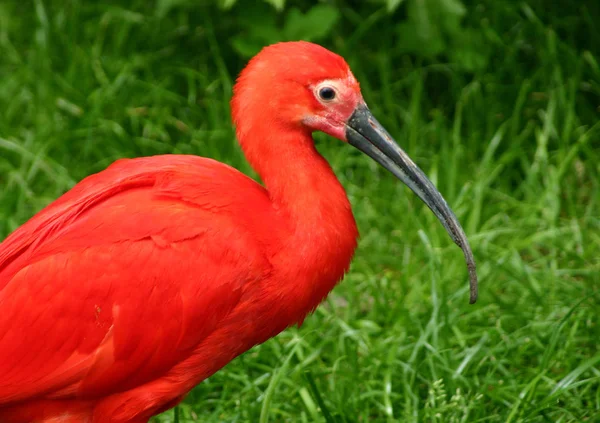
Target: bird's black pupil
(327, 93)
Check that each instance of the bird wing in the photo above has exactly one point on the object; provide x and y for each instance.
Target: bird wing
(119, 279)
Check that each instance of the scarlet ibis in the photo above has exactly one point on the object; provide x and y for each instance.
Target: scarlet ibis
(148, 277)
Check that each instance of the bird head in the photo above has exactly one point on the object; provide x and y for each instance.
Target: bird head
(298, 84)
(301, 86)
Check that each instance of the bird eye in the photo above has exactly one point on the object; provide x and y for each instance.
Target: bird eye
(327, 93)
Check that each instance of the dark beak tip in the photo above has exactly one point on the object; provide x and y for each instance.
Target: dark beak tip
(473, 297)
(473, 283)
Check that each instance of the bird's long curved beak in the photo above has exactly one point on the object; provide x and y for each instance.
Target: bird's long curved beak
(365, 133)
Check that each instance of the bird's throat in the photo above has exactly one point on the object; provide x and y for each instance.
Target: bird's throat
(318, 243)
(301, 184)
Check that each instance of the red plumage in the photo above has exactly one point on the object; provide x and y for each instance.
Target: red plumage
(146, 278)
(138, 283)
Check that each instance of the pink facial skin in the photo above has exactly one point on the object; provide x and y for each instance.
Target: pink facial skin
(331, 115)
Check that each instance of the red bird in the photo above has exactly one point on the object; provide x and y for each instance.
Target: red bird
(148, 277)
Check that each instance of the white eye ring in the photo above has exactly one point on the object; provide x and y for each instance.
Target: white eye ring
(326, 93)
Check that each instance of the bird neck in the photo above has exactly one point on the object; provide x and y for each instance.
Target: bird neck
(302, 186)
(315, 234)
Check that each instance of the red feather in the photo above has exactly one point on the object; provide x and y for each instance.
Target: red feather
(143, 280)
(139, 272)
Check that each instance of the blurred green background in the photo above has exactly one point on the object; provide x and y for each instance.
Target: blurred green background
(498, 101)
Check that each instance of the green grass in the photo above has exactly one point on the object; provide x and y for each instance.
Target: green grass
(514, 148)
